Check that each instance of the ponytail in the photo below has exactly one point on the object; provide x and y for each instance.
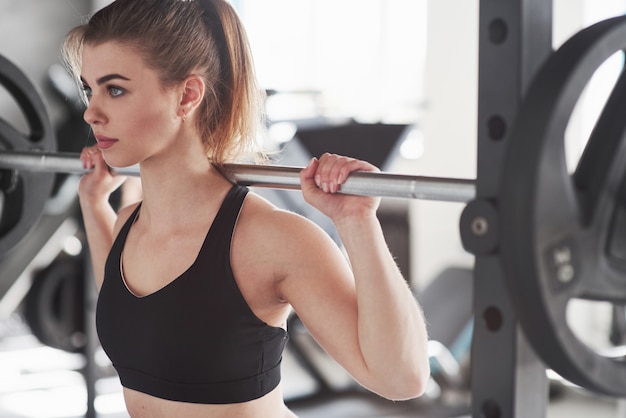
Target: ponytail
(238, 96)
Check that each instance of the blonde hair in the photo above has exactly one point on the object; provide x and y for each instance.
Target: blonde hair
(180, 37)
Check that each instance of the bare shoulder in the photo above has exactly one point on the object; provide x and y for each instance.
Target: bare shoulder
(262, 219)
(286, 242)
(290, 247)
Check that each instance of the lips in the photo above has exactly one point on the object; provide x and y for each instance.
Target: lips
(105, 142)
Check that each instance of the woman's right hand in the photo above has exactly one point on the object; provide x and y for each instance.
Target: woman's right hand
(100, 182)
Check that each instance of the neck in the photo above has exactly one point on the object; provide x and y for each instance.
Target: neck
(175, 188)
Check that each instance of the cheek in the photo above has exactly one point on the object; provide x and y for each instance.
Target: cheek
(152, 122)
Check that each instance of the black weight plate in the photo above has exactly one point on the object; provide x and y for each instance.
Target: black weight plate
(556, 227)
(55, 307)
(25, 192)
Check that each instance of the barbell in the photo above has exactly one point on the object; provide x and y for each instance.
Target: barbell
(272, 176)
(26, 161)
(559, 236)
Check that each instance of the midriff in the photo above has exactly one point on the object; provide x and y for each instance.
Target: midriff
(141, 405)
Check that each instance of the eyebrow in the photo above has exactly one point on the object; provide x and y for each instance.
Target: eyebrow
(106, 78)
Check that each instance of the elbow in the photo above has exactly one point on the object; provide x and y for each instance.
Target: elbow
(409, 384)
(412, 382)
(413, 386)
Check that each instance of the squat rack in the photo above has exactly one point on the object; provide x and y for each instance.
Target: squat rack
(507, 377)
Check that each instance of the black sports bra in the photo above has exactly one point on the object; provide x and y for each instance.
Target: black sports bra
(195, 340)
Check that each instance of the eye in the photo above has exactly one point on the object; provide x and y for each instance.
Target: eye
(87, 91)
(115, 91)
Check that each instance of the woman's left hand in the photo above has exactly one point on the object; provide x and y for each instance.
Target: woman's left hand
(322, 179)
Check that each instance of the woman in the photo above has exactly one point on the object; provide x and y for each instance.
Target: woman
(196, 281)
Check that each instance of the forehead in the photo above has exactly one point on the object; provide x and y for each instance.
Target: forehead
(112, 58)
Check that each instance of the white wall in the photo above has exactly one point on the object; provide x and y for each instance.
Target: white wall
(449, 127)
(364, 58)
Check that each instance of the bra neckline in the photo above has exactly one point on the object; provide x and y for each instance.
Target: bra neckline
(135, 216)
(160, 289)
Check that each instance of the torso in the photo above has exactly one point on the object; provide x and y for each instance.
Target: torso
(253, 259)
(256, 276)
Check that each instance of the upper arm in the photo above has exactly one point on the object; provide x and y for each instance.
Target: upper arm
(318, 283)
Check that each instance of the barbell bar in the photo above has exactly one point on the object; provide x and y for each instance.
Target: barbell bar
(272, 176)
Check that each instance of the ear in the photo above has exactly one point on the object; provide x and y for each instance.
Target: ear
(192, 94)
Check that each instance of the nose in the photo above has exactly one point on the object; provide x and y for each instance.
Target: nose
(93, 115)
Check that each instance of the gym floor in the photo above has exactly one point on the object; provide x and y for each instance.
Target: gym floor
(41, 382)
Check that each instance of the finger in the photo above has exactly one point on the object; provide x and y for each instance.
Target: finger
(100, 164)
(353, 165)
(85, 157)
(324, 173)
(342, 169)
(334, 171)
(337, 170)
(308, 174)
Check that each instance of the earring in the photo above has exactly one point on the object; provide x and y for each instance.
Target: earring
(184, 116)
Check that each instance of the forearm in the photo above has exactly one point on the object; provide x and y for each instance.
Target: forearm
(391, 329)
(99, 220)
